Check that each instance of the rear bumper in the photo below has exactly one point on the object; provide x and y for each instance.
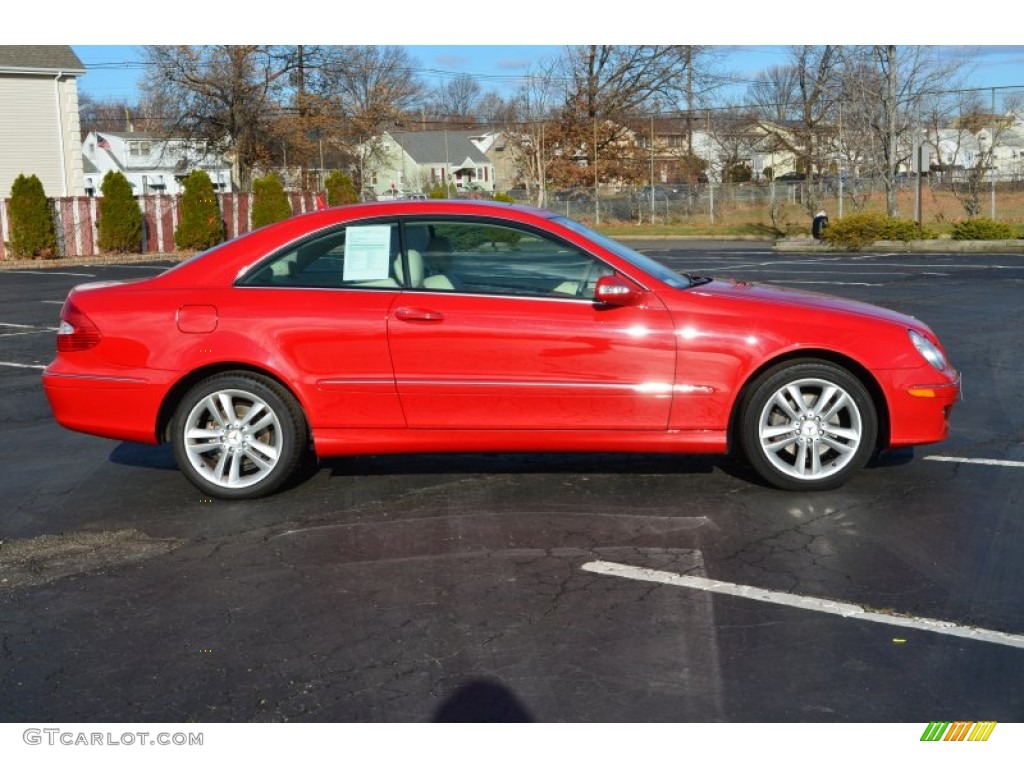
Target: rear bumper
(120, 407)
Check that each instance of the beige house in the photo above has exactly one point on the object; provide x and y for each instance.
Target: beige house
(408, 162)
(39, 129)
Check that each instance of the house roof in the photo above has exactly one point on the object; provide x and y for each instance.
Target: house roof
(441, 146)
(48, 59)
(136, 135)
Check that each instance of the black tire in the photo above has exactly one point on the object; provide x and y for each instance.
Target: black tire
(808, 426)
(238, 435)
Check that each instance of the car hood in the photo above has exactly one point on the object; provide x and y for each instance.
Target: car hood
(801, 299)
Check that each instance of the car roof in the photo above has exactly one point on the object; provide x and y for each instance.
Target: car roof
(234, 253)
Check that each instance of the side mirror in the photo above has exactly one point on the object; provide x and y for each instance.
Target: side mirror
(616, 292)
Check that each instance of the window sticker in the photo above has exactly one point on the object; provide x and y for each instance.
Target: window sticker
(367, 252)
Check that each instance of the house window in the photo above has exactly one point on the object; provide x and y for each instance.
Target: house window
(138, 148)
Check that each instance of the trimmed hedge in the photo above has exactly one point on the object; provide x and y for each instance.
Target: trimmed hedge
(340, 189)
(269, 203)
(120, 218)
(200, 226)
(33, 233)
(983, 229)
(860, 229)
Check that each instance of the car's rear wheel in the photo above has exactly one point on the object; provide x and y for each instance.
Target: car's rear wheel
(238, 435)
(808, 426)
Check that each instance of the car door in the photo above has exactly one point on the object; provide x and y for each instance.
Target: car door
(499, 330)
(325, 301)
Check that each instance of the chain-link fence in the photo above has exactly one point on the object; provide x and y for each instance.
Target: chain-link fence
(787, 207)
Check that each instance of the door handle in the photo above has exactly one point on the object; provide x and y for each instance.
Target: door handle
(418, 315)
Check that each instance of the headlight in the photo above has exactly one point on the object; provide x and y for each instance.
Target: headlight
(929, 351)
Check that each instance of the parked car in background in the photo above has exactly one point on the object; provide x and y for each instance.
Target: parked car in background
(574, 195)
(648, 193)
(407, 327)
(660, 192)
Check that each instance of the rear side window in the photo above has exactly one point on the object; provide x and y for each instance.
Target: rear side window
(356, 256)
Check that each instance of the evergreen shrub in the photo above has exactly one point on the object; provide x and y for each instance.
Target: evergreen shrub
(983, 229)
(120, 218)
(340, 189)
(860, 229)
(33, 233)
(270, 201)
(199, 224)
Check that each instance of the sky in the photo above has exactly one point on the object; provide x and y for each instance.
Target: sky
(508, 38)
(114, 70)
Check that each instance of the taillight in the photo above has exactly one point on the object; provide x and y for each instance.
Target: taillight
(77, 332)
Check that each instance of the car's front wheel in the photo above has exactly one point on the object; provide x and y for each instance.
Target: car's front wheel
(238, 435)
(808, 426)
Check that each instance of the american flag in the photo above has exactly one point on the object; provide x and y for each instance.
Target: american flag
(101, 142)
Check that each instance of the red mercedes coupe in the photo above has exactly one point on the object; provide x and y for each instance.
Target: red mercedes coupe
(466, 326)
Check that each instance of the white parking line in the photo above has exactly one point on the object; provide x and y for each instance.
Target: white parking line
(825, 282)
(27, 333)
(45, 272)
(846, 610)
(22, 365)
(985, 462)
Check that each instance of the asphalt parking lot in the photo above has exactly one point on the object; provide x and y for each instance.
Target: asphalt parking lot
(623, 588)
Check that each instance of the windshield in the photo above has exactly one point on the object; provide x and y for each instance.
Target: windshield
(638, 260)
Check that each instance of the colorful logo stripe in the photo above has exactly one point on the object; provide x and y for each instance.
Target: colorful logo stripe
(958, 731)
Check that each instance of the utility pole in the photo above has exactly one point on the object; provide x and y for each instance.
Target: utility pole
(652, 167)
(300, 99)
(711, 184)
(689, 103)
(597, 203)
(992, 156)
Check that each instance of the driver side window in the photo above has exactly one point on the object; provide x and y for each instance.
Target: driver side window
(497, 259)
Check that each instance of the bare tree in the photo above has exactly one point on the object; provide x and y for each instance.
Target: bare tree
(965, 152)
(456, 101)
(885, 90)
(105, 115)
(368, 89)
(527, 130)
(604, 85)
(797, 107)
(736, 137)
(226, 95)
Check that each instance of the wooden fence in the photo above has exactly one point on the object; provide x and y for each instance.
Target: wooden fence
(75, 218)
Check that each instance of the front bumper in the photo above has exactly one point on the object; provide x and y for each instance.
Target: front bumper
(920, 407)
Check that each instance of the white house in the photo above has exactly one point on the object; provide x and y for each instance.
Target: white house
(153, 164)
(39, 127)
